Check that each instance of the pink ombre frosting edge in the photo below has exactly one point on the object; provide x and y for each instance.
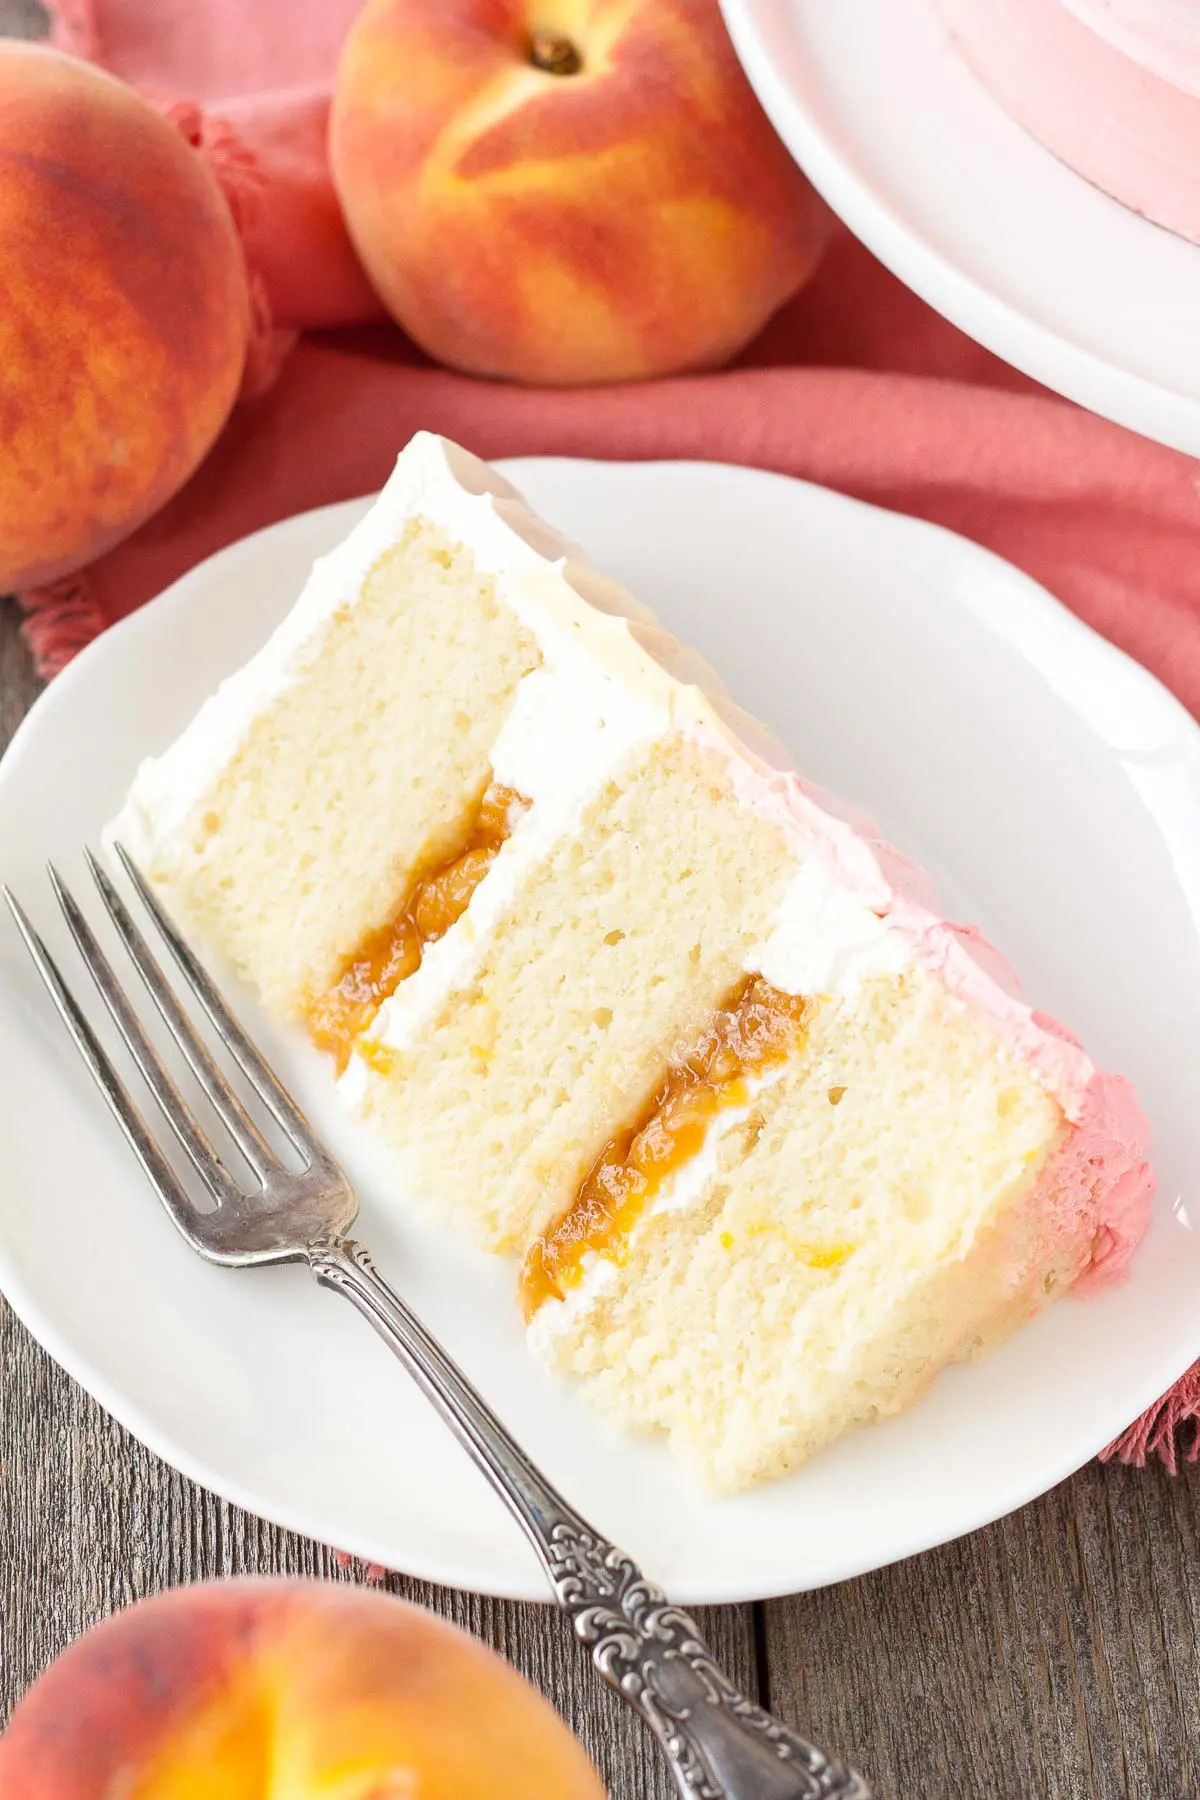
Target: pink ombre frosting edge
(1114, 90)
(1097, 1188)
(1160, 35)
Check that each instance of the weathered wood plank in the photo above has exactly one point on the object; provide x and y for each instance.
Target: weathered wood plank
(19, 686)
(1054, 1654)
(23, 19)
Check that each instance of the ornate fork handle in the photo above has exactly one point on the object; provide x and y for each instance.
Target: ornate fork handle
(720, 1745)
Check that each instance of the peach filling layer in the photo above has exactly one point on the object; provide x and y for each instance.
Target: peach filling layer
(757, 1027)
(435, 901)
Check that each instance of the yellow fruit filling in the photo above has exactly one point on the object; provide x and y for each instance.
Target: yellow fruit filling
(435, 901)
(756, 1028)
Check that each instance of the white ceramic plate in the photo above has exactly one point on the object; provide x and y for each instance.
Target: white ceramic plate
(1052, 786)
(971, 212)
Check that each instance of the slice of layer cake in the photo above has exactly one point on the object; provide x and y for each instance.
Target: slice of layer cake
(623, 995)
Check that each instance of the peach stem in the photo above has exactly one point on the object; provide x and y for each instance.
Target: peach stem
(556, 54)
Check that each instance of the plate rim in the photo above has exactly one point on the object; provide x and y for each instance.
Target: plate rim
(1137, 402)
(472, 1571)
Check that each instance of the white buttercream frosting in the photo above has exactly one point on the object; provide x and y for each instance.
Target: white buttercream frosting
(434, 480)
(825, 941)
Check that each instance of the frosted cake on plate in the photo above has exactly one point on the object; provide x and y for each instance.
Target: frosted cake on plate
(627, 999)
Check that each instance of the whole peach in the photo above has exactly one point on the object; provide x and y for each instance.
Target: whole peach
(566, 191)
(124, 312)
(237, 1689)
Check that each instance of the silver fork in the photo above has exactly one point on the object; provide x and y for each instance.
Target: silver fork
(720, 1745)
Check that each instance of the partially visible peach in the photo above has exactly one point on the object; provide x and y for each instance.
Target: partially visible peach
(566, 191)
(124, 317)
(241, 1689)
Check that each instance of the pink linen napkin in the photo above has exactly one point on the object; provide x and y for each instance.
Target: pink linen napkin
(856, 384)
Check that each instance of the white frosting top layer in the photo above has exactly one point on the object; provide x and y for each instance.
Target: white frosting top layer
(433, 479)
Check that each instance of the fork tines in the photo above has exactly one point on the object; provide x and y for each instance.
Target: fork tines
(198, 1148)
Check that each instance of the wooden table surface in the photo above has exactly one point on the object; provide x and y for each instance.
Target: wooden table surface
(1054, 1654)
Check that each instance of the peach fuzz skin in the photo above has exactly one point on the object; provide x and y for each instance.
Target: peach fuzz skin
(126, 314)
(636, 216)
(286, 1690)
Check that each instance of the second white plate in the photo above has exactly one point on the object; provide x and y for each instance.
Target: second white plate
(1051, 785)
(963, 205)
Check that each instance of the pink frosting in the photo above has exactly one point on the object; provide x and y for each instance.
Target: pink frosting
(1094, 1194)
(1162, 35)
(1100, 1169)
(1110, 86)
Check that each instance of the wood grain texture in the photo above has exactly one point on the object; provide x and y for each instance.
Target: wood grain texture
(23, 19)
(19, 686)
(1053, 1654)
